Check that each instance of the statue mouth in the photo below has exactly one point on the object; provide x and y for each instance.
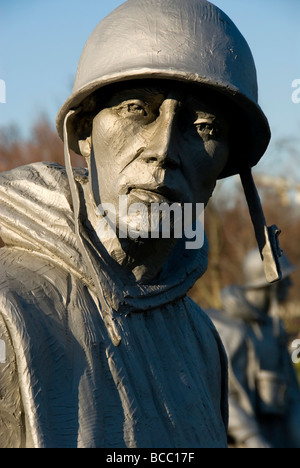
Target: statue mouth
(151, 195)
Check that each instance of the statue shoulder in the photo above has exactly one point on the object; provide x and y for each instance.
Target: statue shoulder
(42, 173)
(17, 279)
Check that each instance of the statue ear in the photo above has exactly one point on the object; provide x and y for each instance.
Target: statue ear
(85, 147)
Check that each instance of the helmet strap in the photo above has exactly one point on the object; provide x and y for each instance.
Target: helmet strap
(103, 306)
(267, 237)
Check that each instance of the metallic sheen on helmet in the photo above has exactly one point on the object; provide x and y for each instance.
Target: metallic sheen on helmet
(190, 41)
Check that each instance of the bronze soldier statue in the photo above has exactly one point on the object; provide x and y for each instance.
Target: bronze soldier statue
(101, 347)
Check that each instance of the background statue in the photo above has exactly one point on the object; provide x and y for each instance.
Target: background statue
(102, 347)
(264, 396)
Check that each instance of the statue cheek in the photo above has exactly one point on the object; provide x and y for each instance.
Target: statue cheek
(218, 152)
(113, 138)
(204, 167)
(106, 130)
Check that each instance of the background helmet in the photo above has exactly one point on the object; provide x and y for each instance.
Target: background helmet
(191, 41)
(253, 270)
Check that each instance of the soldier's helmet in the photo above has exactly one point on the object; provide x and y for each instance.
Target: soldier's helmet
(190, 41)
(254, 276)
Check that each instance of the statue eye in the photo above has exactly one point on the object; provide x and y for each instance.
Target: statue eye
(208, 129)
(137, 109)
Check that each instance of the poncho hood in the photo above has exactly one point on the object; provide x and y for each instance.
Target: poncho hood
(36, 215)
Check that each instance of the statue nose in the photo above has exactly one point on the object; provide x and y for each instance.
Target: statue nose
(161, 149)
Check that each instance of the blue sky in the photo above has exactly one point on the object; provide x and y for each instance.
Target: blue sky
(41, 42)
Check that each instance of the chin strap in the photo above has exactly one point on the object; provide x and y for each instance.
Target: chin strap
(105, 309)
(267, 237)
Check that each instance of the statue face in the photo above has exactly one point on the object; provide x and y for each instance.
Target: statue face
(158, 143)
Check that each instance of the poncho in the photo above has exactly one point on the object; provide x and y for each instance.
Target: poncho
(62, 381)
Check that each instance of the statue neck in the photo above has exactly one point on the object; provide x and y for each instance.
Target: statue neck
(144, 258)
